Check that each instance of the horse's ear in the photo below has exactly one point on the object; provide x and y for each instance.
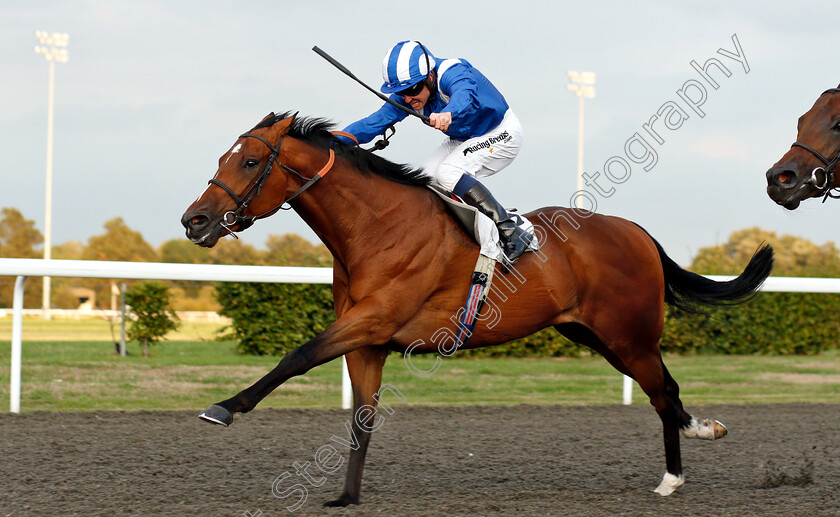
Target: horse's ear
(282, 126)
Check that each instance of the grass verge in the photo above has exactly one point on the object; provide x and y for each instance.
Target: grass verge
(87, 375)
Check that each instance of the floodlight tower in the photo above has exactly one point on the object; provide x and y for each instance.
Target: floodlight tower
(54, 49)
(583, 85)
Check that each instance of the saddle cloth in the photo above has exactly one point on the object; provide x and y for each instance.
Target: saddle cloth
(482, 229)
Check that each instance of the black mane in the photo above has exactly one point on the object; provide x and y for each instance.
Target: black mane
(317, 132)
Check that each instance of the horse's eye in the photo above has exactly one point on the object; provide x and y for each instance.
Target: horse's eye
(250, 163)
(836, 126)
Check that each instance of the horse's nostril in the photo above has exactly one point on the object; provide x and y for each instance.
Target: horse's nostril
(194, 222)
(199, 222)
(785, 177)
(781, 177)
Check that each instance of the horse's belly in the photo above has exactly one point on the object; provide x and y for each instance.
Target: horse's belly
(503, 318)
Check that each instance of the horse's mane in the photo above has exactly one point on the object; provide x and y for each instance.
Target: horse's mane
(317, 132)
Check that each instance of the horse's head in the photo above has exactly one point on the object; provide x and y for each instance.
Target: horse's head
(243, 188)
(808, 169)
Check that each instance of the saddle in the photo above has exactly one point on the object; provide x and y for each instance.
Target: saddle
(482, 229)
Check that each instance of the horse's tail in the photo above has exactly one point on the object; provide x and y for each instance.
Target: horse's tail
(686, 290)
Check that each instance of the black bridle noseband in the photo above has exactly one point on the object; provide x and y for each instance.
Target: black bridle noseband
(825, 187)
(237, 217)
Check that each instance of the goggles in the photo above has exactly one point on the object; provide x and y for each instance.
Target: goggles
(413, 90)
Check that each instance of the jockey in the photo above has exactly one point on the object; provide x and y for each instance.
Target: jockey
(483, 133)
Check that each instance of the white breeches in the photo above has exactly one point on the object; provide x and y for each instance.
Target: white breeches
(481, 156)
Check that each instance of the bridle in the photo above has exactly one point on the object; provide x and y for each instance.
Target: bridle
(825, 187)
(237, 217)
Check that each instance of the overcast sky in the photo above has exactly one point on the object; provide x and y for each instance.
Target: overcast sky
(155, 91)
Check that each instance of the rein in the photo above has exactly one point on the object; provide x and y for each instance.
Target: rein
(237, 217)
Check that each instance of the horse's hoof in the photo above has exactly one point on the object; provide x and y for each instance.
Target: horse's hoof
(707, 429)
(669, 483)
(217, 415)
(720, 429)
(341, 502)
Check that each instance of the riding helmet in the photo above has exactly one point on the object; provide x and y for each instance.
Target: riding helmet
(405, 64)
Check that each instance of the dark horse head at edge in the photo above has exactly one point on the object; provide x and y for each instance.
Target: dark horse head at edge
(808, 168)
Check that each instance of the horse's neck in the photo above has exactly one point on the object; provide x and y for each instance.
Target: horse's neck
(356, 213)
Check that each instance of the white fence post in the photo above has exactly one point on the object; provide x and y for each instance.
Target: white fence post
(627, 392)
(17, 344)
(122, 320)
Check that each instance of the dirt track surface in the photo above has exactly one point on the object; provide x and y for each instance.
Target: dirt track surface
(521, 460)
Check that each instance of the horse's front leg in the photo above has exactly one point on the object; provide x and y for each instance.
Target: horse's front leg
(364, 324)
(365, 367)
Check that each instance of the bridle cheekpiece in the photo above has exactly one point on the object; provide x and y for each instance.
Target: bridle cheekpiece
(237, 217)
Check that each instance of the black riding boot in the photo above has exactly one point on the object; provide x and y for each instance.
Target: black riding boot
(514, 239)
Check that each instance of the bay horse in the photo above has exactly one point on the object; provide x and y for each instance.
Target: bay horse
(807, 169)
(402, 266)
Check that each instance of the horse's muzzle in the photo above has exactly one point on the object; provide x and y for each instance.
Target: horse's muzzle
(785, 188)
(199, 229)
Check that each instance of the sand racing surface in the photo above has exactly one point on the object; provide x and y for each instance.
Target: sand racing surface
(519, 460)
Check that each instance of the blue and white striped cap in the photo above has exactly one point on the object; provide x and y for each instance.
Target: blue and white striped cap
(405, 64)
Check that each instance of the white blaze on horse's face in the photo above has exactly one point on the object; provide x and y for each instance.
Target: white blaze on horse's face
(233, 151)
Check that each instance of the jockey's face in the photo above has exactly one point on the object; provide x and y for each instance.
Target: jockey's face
(418, 101)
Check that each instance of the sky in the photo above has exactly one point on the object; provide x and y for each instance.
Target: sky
(154, 92)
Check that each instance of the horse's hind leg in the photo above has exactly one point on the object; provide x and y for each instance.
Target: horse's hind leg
(649, 371)
(365, 367)
(584, 336)
(706, 429)
(651, 375)
(664, 394)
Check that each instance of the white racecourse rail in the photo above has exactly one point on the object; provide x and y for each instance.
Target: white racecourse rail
(21, 268)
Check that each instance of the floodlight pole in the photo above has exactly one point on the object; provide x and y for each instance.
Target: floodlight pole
(54, 52)
(583, 85)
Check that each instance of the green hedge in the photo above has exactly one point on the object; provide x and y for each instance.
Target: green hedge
(153, 314)
(273, 319)
(772, 323)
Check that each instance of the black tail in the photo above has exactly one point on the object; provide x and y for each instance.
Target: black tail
(686, 290)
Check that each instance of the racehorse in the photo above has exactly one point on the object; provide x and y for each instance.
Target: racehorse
(402, 266)
(807, 169)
